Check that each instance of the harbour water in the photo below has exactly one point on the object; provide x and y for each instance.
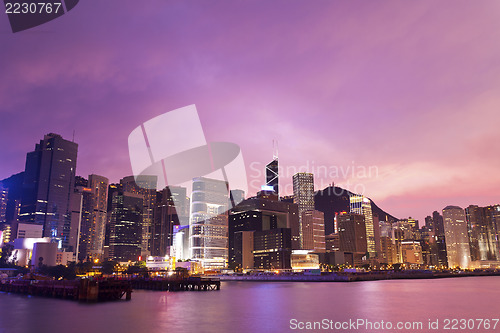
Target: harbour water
(268, 307)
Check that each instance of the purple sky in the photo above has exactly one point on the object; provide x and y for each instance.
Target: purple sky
(408, 88)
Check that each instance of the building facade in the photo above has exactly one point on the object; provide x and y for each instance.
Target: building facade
(49, 181)
(125, 238)
(313, 231)
(359, 204)
(456, 235)
(303, 196)
(209, 222)
(145, 186)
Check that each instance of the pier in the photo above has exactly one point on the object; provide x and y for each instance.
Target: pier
(84, 290)
(176, 284)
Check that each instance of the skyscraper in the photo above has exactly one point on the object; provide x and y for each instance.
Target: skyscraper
(272, 176)
(93, 218)
(48, 184)
(429, 222)
(209, 222)
(241, 225)
(162, 229)
(275, 214)
(482, 233)
(181, 201)
(179, 239)
(359, 204)
(303, 196)
(352, 233)
(272, 248)
(492, 214)
(438, 222)
(352, 238)
(145, 186)
(3, 204)
(126, 226)
(313, 230)
(456, 235)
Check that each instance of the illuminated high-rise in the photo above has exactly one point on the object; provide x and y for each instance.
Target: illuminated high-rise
(359, 204)
(3, 203)
(272, 176)
(493, 221)
(482, 233)
(456, 235)
(313, 230)
(352, 238)
(303, 196)
(145, 186)
(93, 217)
(209, 222)
(438, 224)
(49, 181)
(125, 238)
(165, 218)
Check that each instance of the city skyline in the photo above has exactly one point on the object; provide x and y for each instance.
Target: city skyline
(399, 87)
(262, 175)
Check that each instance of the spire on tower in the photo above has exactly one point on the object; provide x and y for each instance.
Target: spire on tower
(275, 149)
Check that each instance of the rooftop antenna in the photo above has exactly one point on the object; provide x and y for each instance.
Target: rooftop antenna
(73, 135)
(275, 149)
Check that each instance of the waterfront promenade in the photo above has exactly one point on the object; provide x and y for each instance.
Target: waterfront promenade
(356, 276)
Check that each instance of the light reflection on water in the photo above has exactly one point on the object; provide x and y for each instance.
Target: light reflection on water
(258, 307)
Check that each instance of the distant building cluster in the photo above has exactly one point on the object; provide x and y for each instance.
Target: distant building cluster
(49, 215)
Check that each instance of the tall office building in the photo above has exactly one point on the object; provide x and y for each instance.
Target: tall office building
(241, 223)
(81, 215)
(429, 222)
(272, 176)
(275, 214)
(352, 238)
(181, 201)
(303, 196)
(272, 249)
(438, 223)
(492, 214)
(428, 242)
(165, 218)
(179, 239)
(209, 222)
(359, 204)
(14, 187)
(244, 245)
(482, 233)
(145, 186)
(93, 218)
(387, 254)
(3, 203)
(272, 225)
(456, 235)
(352, 233)
(313, 231)
(125, 238)
(49, 181)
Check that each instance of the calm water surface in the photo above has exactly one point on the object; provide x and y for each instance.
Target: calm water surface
(261, 307)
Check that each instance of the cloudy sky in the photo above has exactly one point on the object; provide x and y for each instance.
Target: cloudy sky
(405, 93)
